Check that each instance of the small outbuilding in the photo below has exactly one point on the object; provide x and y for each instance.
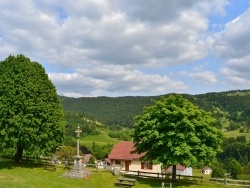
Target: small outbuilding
(206, 170)
(181, 170)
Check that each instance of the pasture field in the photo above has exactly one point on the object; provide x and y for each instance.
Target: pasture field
(101, 139)
(236, 133)
(32, 175)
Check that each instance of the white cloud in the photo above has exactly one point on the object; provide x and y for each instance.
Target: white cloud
(233, 45)
(202, 77)
(233, 41)
(114, 81)
(96, 31)
(105, 43)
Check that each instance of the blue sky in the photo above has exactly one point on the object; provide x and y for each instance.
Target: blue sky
(132, 47)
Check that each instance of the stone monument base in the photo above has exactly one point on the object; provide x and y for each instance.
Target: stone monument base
(77, 174)
(77, 171)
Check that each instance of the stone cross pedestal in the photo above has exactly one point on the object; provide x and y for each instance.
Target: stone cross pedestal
(77, 171)
(78, 158)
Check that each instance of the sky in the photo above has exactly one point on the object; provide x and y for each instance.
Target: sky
(114, 48)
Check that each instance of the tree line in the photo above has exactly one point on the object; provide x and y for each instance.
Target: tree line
(234, 105)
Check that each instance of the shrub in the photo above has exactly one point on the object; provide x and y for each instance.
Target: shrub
(218, 172)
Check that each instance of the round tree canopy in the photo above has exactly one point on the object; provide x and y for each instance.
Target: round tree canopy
(174, 131)
(31, 115)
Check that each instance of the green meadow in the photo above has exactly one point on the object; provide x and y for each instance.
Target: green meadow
(101, 139)
(236, 133)
(32, 175)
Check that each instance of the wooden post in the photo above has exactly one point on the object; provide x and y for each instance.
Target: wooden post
(162, 185)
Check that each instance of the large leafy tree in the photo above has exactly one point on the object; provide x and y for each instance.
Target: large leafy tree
(31, 115)
(174, 131)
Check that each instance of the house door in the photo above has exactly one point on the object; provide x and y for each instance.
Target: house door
(127, 165)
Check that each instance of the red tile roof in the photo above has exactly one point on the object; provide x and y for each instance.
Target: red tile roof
(108, 160)
(121, 151)
(86, 158)
(206, 168)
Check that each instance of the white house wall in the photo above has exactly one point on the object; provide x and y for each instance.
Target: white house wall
(187, 172)
(136, 165)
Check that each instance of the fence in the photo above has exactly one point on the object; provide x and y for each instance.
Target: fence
(231, 182)
(160, 175)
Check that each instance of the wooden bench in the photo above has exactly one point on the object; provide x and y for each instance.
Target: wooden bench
(124, 184)
(48, 166)
(129, 182)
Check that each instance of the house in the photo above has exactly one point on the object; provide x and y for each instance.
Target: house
(121, 157)
(206, 170)
(181, 170)
(86, 158)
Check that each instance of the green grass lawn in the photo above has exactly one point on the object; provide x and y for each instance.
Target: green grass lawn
(101, 139)
(32, 175)
(236, 133)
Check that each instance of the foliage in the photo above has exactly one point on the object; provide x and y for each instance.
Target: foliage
(241, 139)
(233, 105)
(244, 177)
(91, 160)
(84, 149)
(121, 134)
(234, 168)
(217, 169)
(218, 172)
(87, 124)
(101, 152)
(31, 115)
(69, 141)
(174, 131)
(245, 169)
(236, 150)
(245, 173)
(109, 110)
(66, 152)
(233, 126)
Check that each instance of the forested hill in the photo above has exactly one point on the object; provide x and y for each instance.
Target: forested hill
(235, 105)
(109, 110)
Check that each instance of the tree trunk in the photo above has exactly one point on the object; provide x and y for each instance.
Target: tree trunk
(174, 172)
(19, 154)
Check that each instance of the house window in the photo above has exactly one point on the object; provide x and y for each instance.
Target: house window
(146, 165)
(117, 162)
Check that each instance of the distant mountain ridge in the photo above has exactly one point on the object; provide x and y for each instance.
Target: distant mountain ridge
(234, 104)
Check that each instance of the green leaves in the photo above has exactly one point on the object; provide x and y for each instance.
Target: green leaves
(173, 131)
(30, 107)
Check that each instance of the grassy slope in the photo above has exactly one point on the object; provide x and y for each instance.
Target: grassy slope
(33, 176)
(101, 139)
(236, 133)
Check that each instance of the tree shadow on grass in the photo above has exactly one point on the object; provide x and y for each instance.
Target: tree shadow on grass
(10, 164)
(157, 183)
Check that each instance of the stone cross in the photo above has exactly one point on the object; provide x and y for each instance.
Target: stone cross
(78, 131)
